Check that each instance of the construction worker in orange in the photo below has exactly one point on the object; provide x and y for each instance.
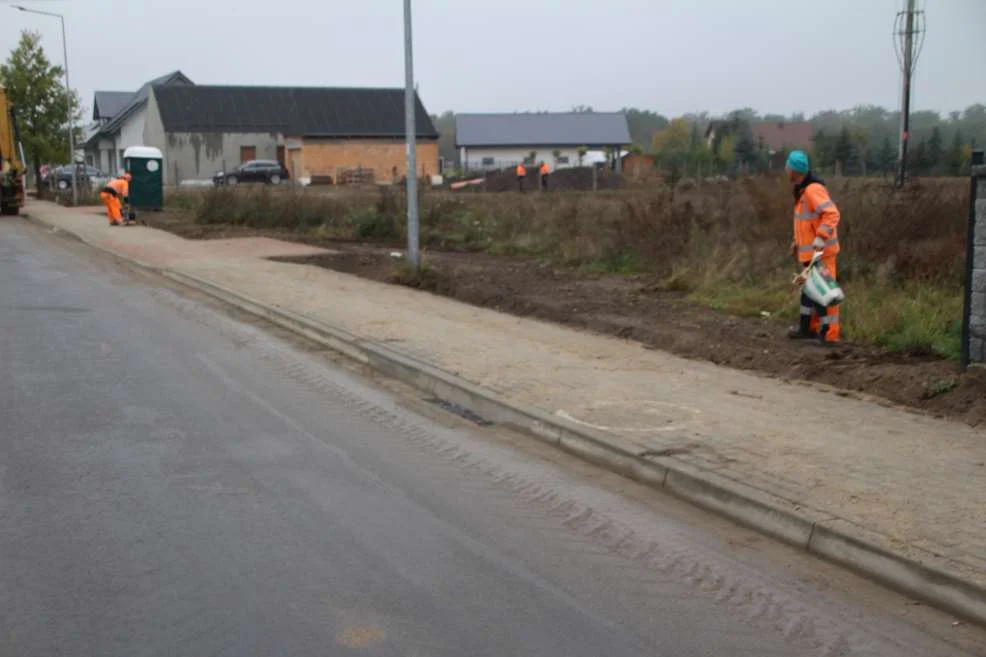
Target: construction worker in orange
(816, 229)
(521, 174)
(545, 172)
(115, 190)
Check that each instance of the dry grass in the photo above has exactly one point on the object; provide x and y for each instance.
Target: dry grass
(725, 244)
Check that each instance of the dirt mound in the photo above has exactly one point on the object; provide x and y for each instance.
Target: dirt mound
(628, 308)
(574, 179)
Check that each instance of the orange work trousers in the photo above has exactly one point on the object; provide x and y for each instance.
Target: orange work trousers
(830, 324)
(112, 203)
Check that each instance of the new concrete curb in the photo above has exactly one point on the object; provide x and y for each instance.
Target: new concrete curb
(804, 528)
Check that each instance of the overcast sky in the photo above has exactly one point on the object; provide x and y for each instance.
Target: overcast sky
(672, 56)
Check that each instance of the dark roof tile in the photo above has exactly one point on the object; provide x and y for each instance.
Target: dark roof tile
(107, 104)
(295, 111)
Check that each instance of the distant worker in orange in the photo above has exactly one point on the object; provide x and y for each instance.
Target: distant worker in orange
(116, 190)
(545, 171)
(521, 174)
(816, 224)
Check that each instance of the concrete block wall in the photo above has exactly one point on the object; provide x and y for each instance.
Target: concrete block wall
(977, 297)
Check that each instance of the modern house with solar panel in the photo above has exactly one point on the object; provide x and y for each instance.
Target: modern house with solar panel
(500, 141)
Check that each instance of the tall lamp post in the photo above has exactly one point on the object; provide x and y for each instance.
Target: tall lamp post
(68, 97)
(411, 139)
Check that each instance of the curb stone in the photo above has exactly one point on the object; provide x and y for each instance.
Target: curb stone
(816, 532)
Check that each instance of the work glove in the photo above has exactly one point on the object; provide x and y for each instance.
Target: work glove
(819, 244)
(794, 249)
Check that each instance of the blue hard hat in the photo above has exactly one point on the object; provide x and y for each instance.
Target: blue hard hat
(798, 161)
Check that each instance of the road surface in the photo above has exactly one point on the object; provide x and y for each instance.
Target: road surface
(176, 480)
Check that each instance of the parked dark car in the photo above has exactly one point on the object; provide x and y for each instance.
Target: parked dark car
(61, 177)
(254, 171)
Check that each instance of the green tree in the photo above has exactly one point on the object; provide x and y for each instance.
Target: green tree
(672, 146)
(643, 125)
(844, 150)
(745, 146)
(445, 125)
(824, 151)
(956, 156)
(35, 87)
(936, 152)
(918, 161)
(886, 158)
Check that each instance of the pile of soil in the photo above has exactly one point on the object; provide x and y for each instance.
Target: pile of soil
(629, 308)
(573, 179)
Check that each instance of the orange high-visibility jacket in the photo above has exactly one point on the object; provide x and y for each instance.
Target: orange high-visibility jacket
(815, 215)
(120, 186)
(544, 169)
(521, 171)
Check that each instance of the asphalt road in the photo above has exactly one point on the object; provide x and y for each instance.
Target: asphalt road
(175, 480)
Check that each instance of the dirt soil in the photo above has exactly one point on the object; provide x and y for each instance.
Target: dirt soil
(627, 307)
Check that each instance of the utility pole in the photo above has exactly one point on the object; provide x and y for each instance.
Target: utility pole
(68, 96)
(909, 28)
(410, 130)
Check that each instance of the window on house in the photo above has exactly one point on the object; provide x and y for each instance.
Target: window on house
(489, 161)
(562, 160)
(248, 153)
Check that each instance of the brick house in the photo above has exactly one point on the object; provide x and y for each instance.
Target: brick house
(317, 133)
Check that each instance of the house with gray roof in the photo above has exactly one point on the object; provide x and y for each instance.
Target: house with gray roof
(121, 122)
(500, 141)
(318, 133)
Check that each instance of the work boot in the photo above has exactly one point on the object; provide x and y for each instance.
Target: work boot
(803, 332)
(114, 223)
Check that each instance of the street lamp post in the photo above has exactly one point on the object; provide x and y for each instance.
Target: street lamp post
(411, 139)
(68, 98)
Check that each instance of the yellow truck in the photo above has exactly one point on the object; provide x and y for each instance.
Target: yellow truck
(11, 159)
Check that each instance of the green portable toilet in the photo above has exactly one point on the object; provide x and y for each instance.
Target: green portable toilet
(144, 163)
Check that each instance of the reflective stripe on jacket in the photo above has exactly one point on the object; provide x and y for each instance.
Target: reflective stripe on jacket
(815, 215)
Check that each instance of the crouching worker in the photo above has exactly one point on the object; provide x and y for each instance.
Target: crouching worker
(816, 223)
(116, 190)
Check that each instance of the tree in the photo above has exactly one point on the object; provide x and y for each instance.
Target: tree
(726, 154)
(35, 87)
(582, 150)
(672, 146)
(918, 159)
(643, 125)
(844, 150)
(745, 146)
(956, 156)
(886, 158)
(824, 150)
(936, 152)
(445, 125)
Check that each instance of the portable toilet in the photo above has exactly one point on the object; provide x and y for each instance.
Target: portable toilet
(144, 164)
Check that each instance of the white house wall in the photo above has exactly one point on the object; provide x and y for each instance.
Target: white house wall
(131, 134)
(510, 157)
(199, 155)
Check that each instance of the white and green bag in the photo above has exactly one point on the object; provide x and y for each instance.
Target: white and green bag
(820, 286)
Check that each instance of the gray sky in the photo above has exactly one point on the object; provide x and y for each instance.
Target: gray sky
(672, 56)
